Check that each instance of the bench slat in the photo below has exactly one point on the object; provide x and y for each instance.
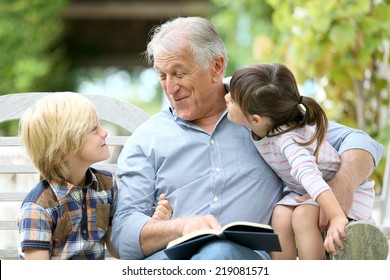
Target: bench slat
(9, 254)
(30, 169)
(8, 225)
(13, 254)
(17, 141)
(17, 169)
(12, 196)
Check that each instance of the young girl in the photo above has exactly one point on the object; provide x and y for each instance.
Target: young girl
(68, 215)
(289, 132)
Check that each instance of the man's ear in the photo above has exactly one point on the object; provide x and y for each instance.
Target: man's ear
(217, 68)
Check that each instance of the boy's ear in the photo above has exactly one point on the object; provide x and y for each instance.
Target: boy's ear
(66, 153)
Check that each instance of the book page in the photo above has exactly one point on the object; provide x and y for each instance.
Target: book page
(244, 224)
(239, 226)
(193, 235)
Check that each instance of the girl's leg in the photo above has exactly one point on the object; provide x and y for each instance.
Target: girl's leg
(307, 233)
(281, 223)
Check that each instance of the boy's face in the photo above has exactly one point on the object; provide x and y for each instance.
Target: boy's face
(95, 148)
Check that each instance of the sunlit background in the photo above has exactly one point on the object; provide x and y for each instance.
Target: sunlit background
(339, 51)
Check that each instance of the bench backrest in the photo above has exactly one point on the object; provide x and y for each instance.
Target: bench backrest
(18, 175)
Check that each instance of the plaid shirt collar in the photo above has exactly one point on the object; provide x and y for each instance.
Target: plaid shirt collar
(62, 189)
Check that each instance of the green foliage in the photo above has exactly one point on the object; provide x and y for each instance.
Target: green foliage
(237, 21)
(31, 57)
(29, 50)
(342, 41)
(345, 43)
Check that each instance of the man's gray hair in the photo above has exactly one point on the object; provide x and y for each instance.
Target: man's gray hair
(201, 35)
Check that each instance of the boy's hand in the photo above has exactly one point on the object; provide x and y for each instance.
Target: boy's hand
(163, 210)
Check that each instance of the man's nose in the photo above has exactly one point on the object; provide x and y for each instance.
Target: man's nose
(172, 85)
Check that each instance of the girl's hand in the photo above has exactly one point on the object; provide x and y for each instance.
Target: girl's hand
(335, 234)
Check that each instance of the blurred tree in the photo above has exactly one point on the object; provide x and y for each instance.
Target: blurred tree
(342, 45)
(31, 56)
(29, 49)
(240, 23)
(346, 43)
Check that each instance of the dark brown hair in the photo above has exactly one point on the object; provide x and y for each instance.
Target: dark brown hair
(271, 90)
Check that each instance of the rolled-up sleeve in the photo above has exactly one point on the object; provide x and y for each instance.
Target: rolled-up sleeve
(343, 138)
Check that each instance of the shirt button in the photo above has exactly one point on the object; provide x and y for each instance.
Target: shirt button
(215, 199)
(212, 141)
(84, 231)
(218, 170)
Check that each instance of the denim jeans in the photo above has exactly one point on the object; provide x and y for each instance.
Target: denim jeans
(220, 250)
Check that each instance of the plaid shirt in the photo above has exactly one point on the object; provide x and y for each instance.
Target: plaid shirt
(69, 221)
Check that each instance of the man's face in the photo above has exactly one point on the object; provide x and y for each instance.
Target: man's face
(187, 85)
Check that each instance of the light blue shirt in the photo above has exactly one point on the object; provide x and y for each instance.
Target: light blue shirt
(220, 174)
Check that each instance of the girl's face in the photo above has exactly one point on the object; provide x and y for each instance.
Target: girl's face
(260, 125)
(235, 114)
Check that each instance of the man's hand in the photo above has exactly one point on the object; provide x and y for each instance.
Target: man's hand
(156, 233)
(200, 222)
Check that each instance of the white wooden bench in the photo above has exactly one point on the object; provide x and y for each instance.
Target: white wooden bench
(18, 175)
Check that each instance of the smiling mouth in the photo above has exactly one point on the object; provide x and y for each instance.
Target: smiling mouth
(180, 99)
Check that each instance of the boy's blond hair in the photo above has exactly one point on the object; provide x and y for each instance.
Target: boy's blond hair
(54, 128)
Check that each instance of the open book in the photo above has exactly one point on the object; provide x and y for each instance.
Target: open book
(253, 235)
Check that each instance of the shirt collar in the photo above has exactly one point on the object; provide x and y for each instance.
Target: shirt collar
(189, 124)
(61, 189)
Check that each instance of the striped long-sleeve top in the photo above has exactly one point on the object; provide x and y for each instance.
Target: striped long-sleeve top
(303, 173)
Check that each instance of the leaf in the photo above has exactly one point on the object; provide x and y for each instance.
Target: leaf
(343, 36)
